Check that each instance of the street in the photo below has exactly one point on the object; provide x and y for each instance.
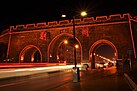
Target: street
(91, 80)
(35, 82)
(98, 80)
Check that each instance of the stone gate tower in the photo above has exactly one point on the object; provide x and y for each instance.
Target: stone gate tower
(43, 42)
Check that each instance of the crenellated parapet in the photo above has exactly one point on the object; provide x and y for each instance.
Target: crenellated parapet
(134, 19)
(62, 23)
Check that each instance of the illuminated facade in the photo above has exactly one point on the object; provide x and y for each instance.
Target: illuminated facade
(43, 42)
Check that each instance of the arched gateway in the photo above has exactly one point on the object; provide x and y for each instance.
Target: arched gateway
(43, 42)
(98, 44)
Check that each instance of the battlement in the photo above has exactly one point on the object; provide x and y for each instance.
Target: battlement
(134, 18)
(92, 20)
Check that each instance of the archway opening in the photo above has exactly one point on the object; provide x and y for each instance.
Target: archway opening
(104, 56)
(30, 54)
(3, 52)
(37, 57)
(59, 52)
(65, 53)
(103, 53)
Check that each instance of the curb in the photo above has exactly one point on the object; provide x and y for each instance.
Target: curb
(131, 82)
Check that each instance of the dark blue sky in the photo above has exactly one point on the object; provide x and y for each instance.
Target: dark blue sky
(24, 12)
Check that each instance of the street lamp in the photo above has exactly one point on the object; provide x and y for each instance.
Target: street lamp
(76, 73)
(83, 13)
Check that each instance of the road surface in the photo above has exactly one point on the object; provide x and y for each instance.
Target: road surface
(90, 80)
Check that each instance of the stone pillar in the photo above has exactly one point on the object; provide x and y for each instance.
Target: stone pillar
(93, 62)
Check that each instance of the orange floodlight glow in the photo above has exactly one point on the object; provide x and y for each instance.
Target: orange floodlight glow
(65, 41)
(76, 46)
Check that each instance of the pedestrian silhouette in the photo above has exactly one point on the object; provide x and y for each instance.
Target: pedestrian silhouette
(117, 65)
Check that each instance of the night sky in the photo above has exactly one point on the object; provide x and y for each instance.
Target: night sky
(35, 11)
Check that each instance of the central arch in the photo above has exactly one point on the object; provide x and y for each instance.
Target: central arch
(96, 45)
(56, 44)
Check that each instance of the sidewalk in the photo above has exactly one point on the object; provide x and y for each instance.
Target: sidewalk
(96, 80)
(131, 76)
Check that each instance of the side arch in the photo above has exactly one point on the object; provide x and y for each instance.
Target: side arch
(30, 53)
(3, 51)
(96, 45)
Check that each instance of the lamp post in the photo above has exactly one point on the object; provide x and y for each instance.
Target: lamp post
(76, 74)
(74, 36)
